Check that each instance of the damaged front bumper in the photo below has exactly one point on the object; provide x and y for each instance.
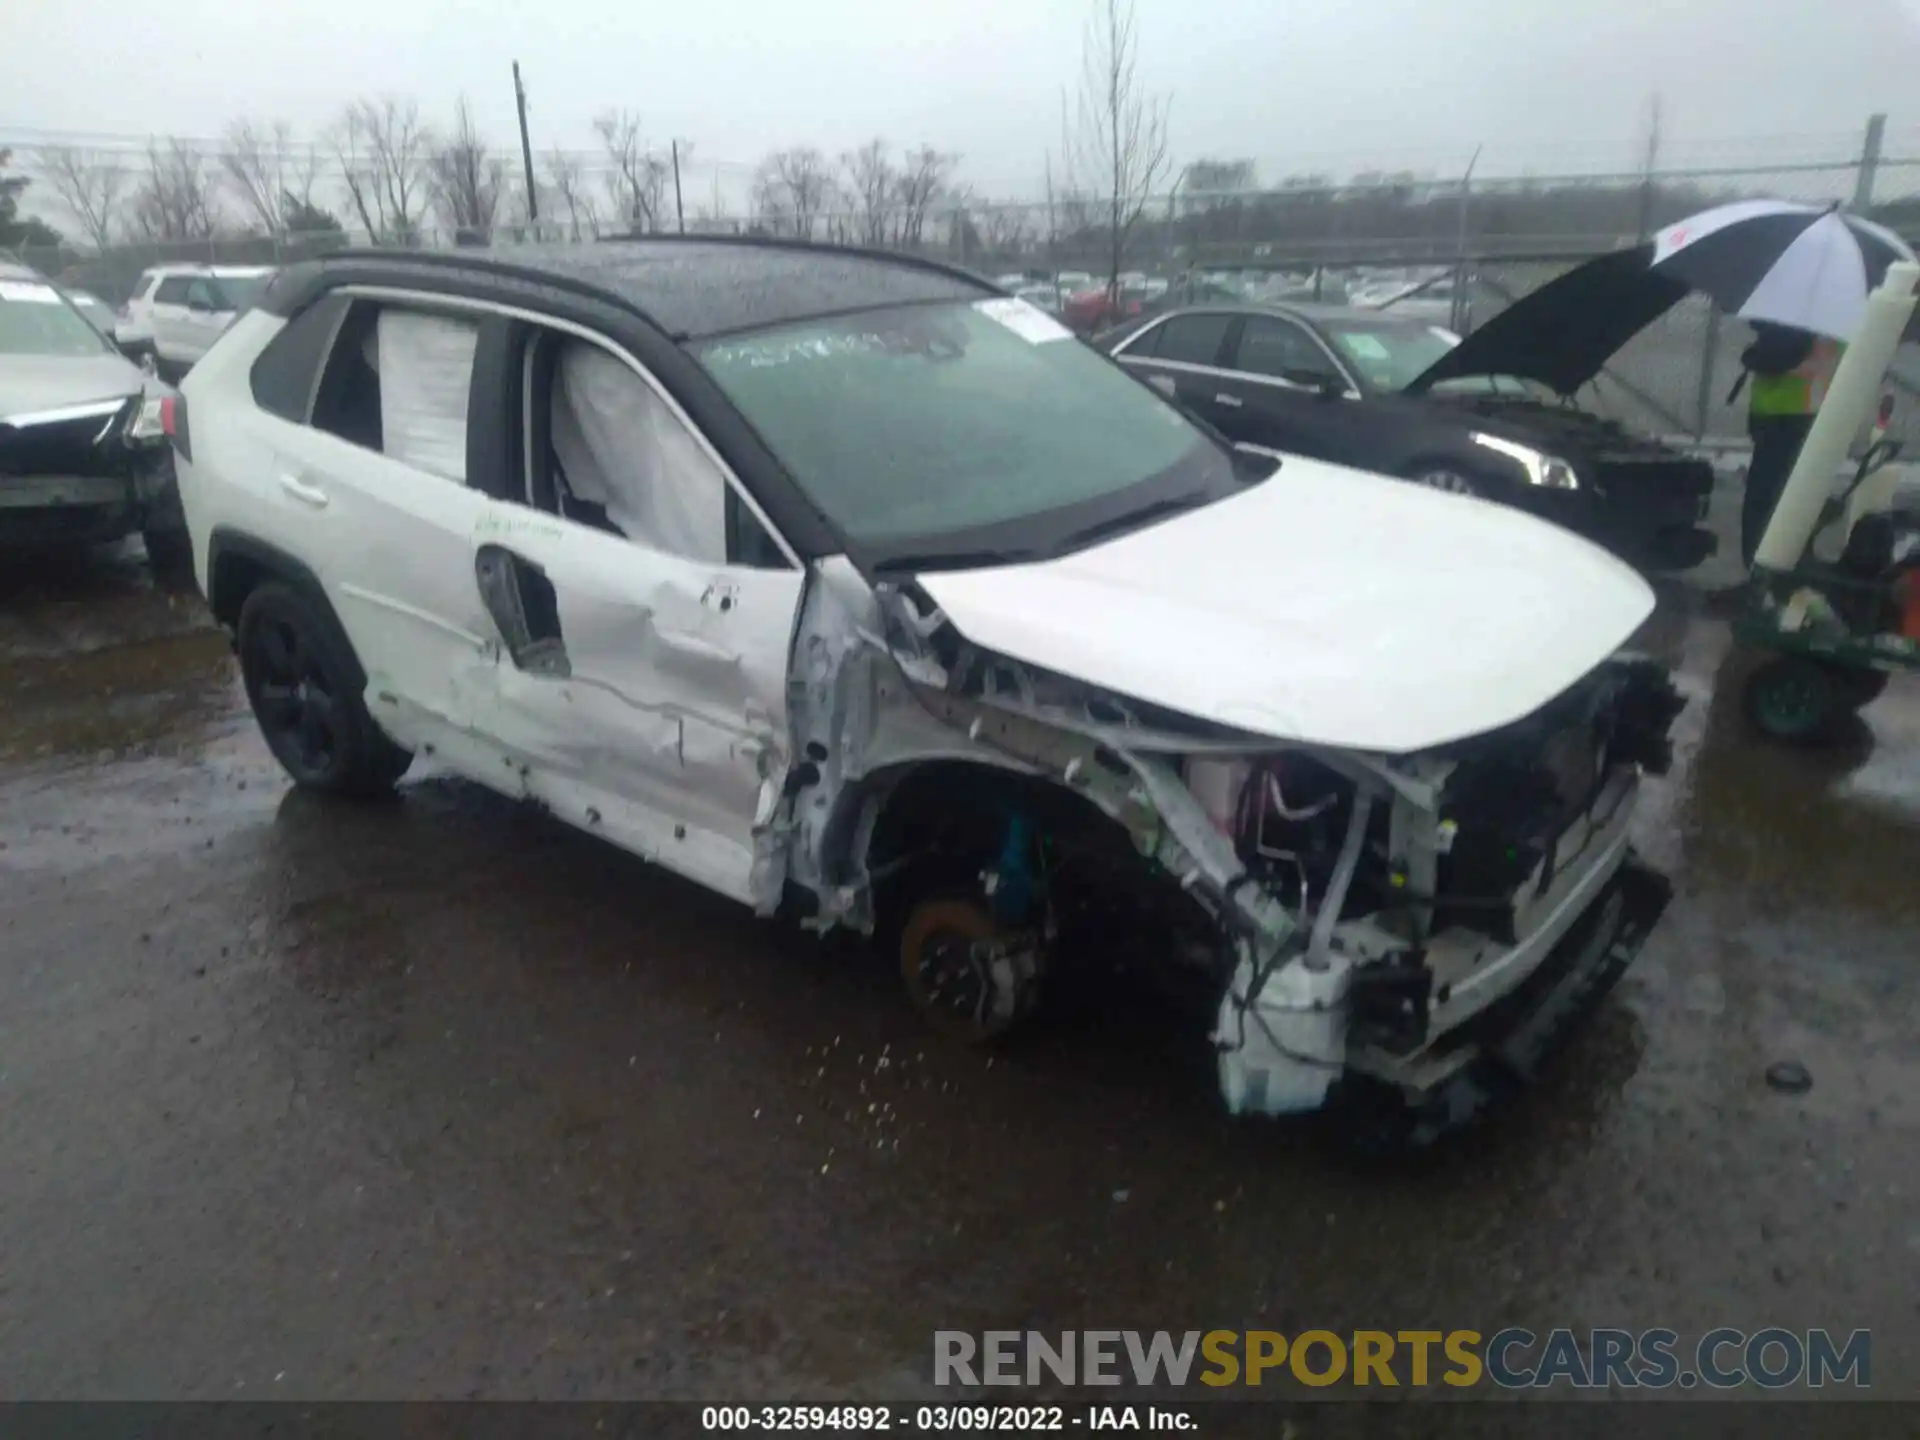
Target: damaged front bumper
(85, 491)
(1401, 1105)
(1429, 1033)
(1351, 923)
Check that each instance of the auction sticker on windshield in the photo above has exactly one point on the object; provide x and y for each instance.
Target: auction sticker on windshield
(1029, 322)
(29, 291)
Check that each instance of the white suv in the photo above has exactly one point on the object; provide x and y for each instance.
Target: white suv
(176, 312)
(856, 590)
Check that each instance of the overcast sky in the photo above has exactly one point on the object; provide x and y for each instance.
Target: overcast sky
(1292, 84)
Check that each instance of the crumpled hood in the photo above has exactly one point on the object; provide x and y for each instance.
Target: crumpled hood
(32, 383)
(1323, 605)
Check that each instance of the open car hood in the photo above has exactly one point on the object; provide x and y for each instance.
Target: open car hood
(1323, 605)
(1567, 329)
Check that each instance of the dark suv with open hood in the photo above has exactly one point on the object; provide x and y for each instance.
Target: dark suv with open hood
(83, 459)
(1490, 416)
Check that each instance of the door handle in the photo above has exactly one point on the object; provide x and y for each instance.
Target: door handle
(1231, 402)
(309, 495)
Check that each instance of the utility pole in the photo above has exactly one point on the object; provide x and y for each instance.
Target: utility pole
(1460, 315)
(526, 146)
(1646, 171)
(679, 210)
(1869, 164)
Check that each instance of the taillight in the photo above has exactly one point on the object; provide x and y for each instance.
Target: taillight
(1886, 410)
(173, 424)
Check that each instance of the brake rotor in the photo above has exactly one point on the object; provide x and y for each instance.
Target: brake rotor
(969, 976)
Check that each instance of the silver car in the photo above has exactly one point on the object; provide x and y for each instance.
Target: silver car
(83, 454)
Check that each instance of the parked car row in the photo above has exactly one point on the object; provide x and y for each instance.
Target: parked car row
(176, 312)
(83, 457)
(1491, 416)
(859, 591)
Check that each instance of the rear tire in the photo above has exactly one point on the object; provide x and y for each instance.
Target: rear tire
(1794, 700)
(305, 686)
(1858, 688)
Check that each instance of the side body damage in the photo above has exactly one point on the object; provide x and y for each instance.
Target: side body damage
(1351, 921)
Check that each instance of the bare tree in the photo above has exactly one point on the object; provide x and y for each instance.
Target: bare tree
(466, 182)
(924, 177)
(563, 175)
(90, 184)
(351, 154)
(1118, 142)
(638, 178)
(1004, 230)
(871, 182)
(254, 162)
(383, 148)
(300, 178)
(793, 189)
(175, 200)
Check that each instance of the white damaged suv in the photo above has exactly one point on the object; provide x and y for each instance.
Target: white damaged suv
(857, 590)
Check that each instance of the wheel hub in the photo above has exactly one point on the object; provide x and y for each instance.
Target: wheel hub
(968, 977)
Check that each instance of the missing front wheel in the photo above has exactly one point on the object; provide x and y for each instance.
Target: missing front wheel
(970, 976)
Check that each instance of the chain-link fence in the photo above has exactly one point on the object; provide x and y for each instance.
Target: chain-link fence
(1455, 251)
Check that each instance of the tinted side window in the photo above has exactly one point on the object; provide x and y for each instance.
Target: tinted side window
(286, 373)
(204, 294)
(144, 288)
(1279, 348)
(1193, 339)
(1147, 344)
(172, 290)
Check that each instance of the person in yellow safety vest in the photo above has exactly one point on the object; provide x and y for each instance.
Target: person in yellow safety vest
(1789, 371)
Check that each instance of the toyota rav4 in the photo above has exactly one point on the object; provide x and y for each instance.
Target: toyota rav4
(856, 590)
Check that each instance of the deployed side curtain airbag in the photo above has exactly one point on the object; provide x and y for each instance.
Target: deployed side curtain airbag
(621, 448)
(426, 369)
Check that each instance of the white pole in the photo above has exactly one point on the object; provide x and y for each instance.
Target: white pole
(1854, 394)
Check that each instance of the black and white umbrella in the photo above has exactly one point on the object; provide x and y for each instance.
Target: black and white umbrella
(1808, 266)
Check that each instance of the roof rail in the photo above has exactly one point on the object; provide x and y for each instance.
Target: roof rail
(470, 260)
(480, 260)
(813, 247)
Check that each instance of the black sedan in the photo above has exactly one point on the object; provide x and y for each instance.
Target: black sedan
(1491, 416)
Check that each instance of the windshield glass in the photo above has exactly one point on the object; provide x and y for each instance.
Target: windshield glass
(1388, 356)
(95, 310)
(930, 420)
(34, 320)
(1513, 386)
(240, 291)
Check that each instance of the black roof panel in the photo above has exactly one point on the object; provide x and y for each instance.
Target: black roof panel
(695, 288)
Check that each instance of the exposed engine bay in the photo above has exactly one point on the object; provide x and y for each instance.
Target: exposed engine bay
(1342, 921)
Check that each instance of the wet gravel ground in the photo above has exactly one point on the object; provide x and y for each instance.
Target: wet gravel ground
(437, 1098)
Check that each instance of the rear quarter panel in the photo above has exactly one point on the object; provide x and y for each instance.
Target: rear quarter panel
(230, 481)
